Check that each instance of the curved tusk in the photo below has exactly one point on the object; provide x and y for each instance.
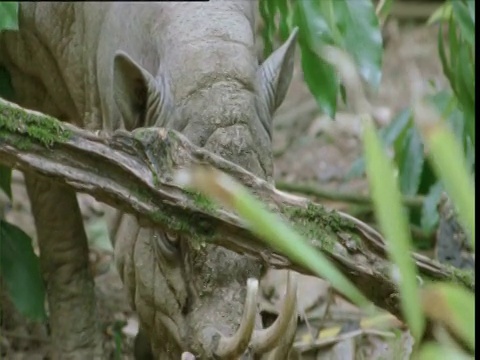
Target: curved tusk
(231, 347)
(265, 340)
(284, 349)
(187, 356)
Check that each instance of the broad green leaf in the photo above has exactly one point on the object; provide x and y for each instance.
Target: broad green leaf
(463, 18)
(314, 32)
(321, 80)
(6, 88)
(394, 225)
(361, 37)
(410, 160)
(443, 13)
(313, 25)
(430, 217)
(8, 15)
(5, 180)
(454, 306)
(20, 270)
(437, 351)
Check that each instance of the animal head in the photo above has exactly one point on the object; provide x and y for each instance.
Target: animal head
(197, 299)
(227, 114)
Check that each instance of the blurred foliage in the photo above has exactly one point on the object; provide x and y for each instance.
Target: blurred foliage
(456, 106)
(446, 305)
(431, 157)
(350, 25)
(19, 265)
(354, 27)
(20, 269)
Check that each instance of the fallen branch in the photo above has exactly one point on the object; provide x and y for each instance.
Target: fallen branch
(134, 172)
(329, 194)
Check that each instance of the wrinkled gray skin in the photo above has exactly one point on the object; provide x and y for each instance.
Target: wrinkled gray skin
(188, 66)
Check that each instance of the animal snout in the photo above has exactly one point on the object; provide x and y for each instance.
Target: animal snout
(236, 144)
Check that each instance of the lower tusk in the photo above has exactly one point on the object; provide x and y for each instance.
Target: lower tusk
(187, 356)
(284, 349)
(265, 340)
(231, 347)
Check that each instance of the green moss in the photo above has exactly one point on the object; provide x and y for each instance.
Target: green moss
(465, 277)
(46, 131)
(202, 201)
(315, 222)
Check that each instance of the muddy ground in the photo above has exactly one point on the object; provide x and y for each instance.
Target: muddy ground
(308, 147)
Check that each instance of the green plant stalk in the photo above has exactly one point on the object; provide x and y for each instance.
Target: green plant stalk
(271, 228)
(394, 225)
(454, 306)
(281, 236)
(449, 163)
(435, 351)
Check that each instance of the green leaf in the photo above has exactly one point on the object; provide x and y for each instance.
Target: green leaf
(448, 159)
(20, 270)
(410, 159)
(388, 135)
(466, 89)
(443, 55)
(392, 131)
(6, 88)
(453, 44)
(454, 306)
(9, 15)
(313, 25)
(441, 14)
(437, 351)
(321, 80)
(284, 17)
(393, 222)
(471, 9)
(269, 22)
(430, 216)
(5, 180)
(314, 32)
(361, 35)
(465, 21)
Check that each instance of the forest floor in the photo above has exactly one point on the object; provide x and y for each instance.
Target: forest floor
(308, 147)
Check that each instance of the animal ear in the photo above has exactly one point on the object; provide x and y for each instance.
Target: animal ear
(275, 74)
(135, 92)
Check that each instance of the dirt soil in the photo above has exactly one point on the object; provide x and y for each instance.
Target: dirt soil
(308, 147)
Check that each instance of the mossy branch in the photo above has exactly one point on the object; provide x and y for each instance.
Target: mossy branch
(134, 172)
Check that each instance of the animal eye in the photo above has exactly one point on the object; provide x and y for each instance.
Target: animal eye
(167, 244)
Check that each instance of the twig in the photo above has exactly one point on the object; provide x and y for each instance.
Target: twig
(329, 194)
